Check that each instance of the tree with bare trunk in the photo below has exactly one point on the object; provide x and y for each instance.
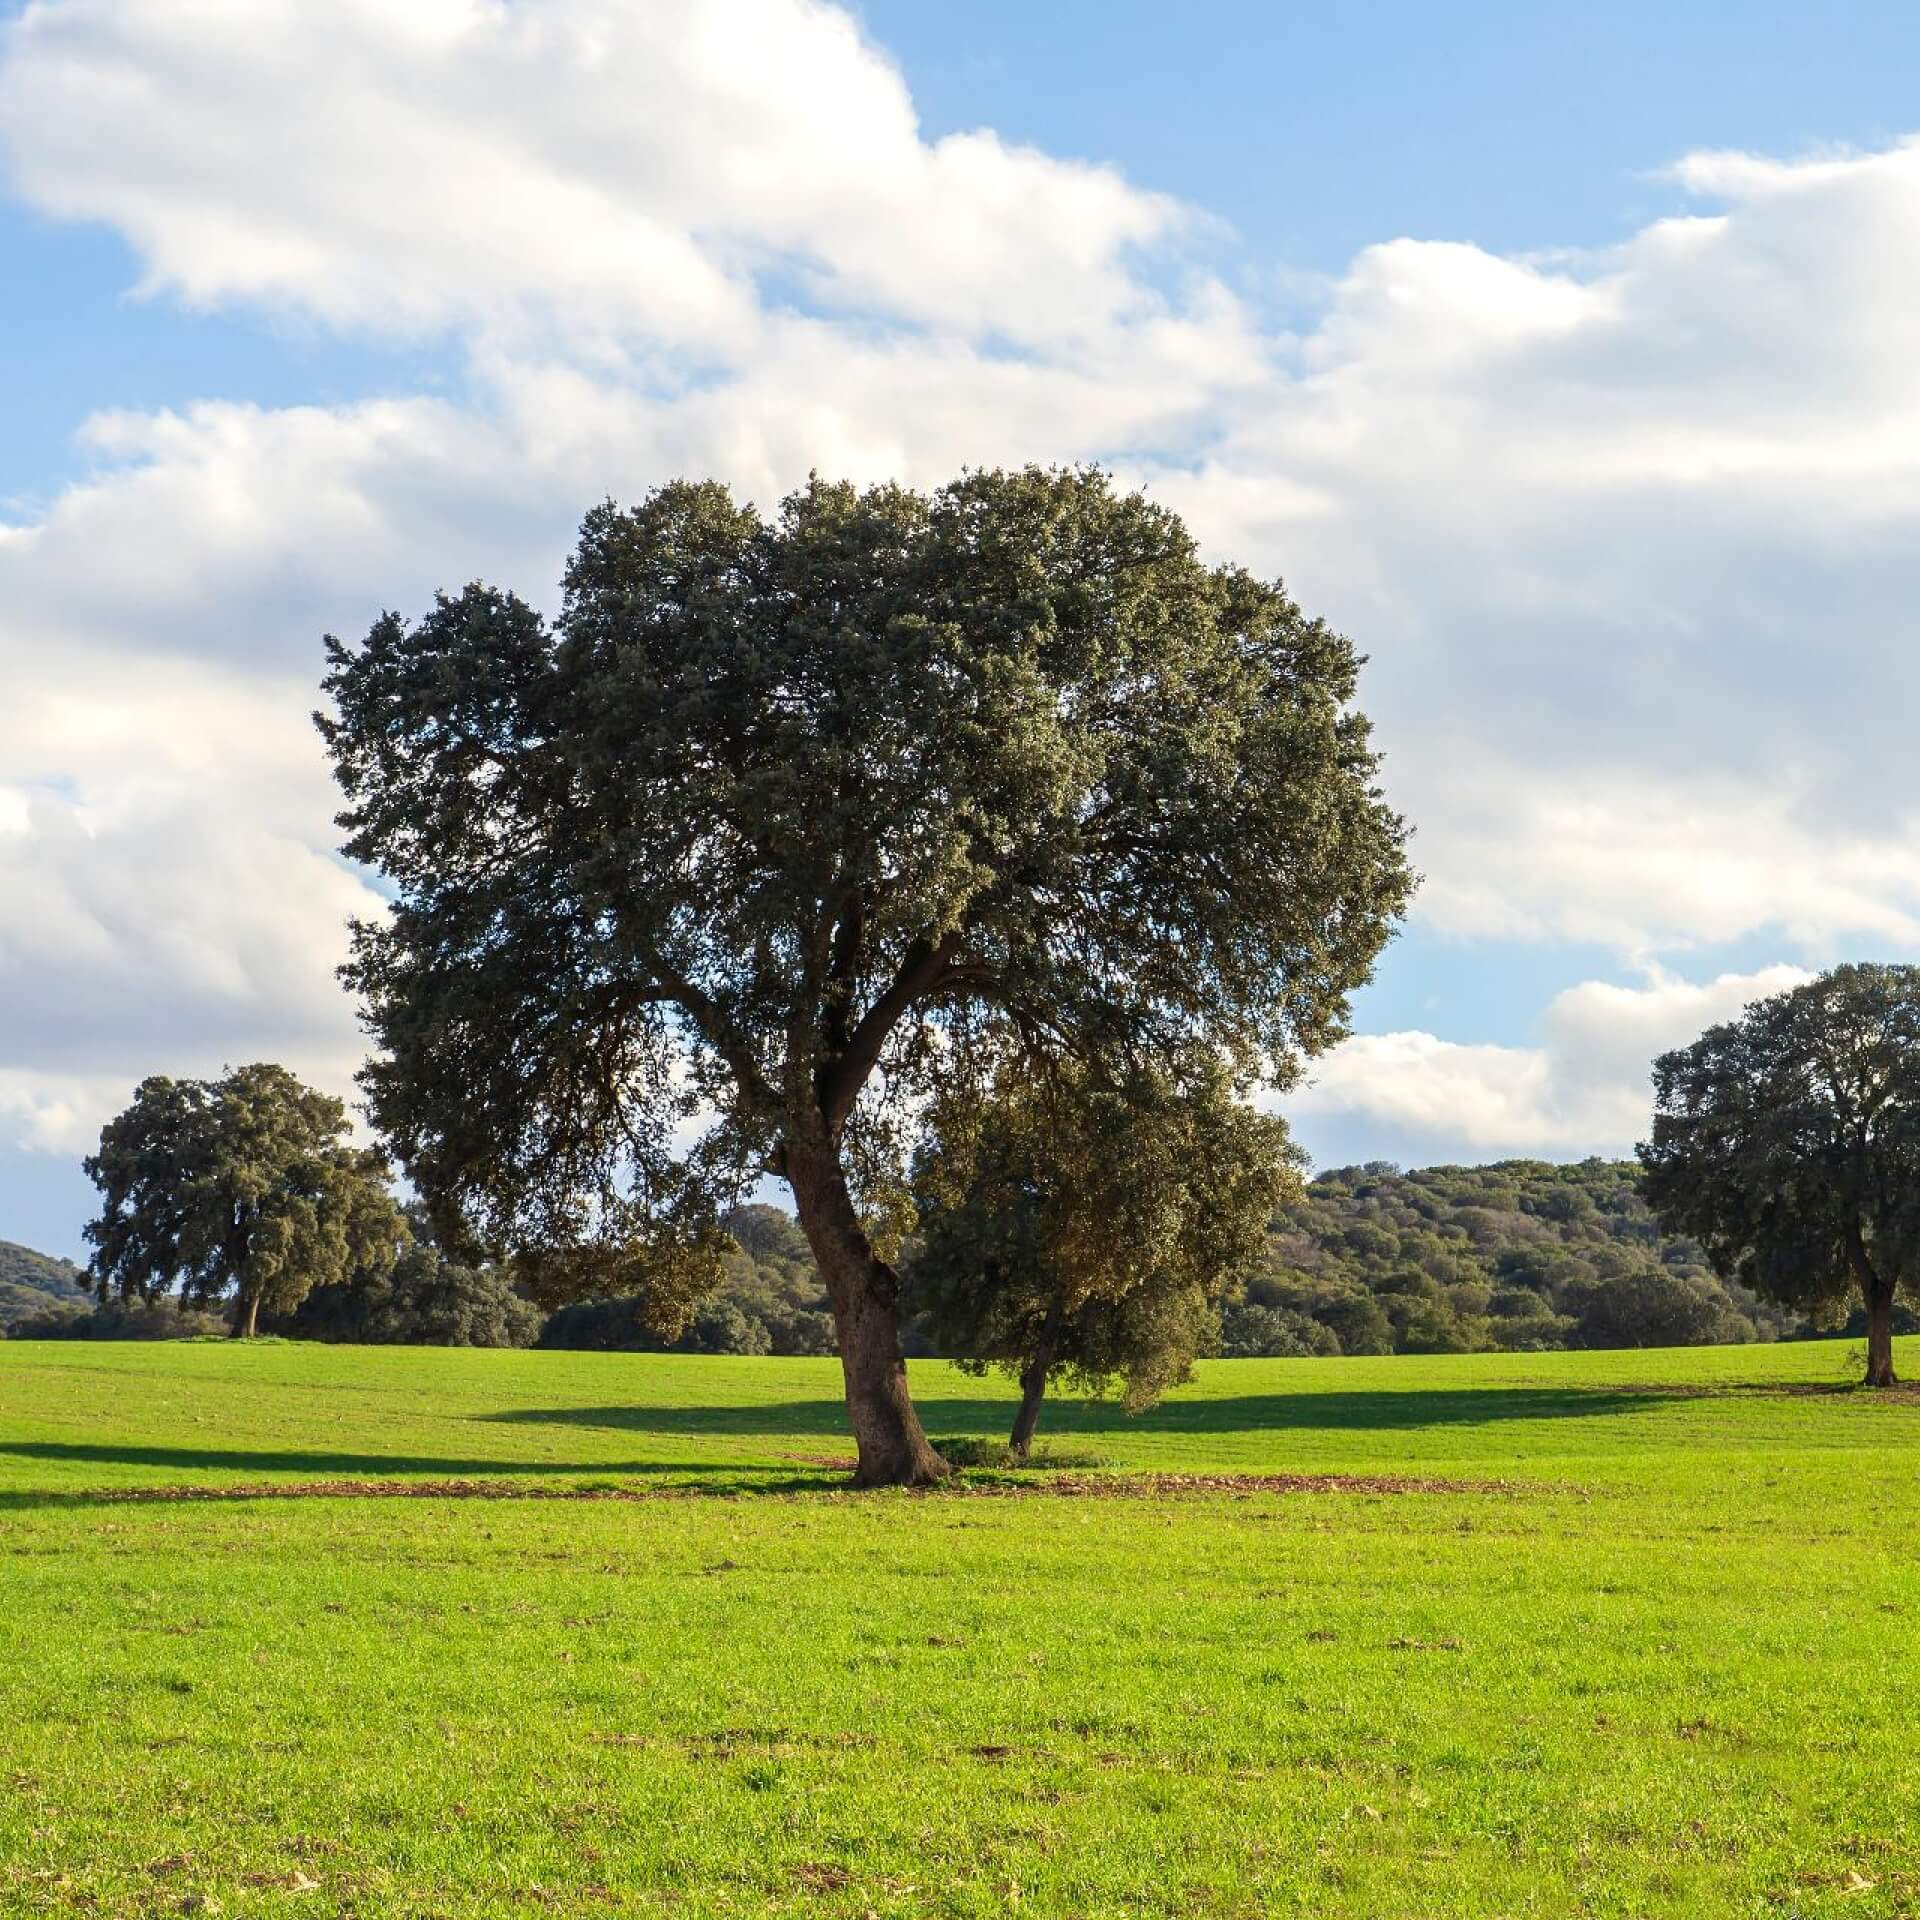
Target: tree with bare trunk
(1082, 1223)
(1787, 1143)
(780, 824)
(246, 1191)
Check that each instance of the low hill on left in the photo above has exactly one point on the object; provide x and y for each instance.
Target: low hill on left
(31, 1283)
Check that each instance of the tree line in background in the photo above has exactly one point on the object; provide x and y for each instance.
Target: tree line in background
(1518, 1256)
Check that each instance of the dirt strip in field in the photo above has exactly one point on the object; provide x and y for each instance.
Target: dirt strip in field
(1125, 1486)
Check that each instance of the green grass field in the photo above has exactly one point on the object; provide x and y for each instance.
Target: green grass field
(1654, 1659)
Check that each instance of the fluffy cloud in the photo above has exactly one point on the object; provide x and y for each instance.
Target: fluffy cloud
(1583, 1089)
(167, 898)
(589, 166)
(1630, 536)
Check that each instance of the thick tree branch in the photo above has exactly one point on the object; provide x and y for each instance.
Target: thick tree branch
(920, 973)
(843, 970)
(1861, 1263)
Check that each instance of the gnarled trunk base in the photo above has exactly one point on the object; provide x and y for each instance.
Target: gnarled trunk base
(865, 1291)
(1880, 1336)
(246, 1317)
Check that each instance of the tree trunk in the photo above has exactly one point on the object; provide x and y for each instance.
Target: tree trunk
(1033, 1384)
(1880, 1334)
(1033, 1387)
(865, 1292)
(246, 1316)
(1877, 1290)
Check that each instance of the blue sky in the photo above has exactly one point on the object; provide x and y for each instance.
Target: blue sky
(1559, 355)
(1316, 130)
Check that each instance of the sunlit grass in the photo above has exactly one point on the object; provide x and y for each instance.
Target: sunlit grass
(1658, 1669)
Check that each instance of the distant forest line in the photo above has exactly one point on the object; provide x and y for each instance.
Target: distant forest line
(1518, 1256)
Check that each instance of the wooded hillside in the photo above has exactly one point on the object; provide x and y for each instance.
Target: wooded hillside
(1518, 1256)
(30, 1282)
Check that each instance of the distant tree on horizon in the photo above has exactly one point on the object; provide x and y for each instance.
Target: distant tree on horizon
(1787, 1142)
(244, 1191)
(783, 824)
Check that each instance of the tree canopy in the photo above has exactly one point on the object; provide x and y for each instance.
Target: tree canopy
(782, 823)
(1086, 1226)
(1787, 1142)
(247, 1186)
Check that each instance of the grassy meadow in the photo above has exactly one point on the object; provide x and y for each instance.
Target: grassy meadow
(1637, 1646)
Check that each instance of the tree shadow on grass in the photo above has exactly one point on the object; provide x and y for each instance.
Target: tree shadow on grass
(1408, 1410)
(352, 1466)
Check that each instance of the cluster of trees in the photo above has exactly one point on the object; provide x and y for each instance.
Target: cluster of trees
(245, 1197)
(246, 1191)
(424, 1297)
(970, 861)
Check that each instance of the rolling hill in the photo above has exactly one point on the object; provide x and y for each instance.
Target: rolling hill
(30, 1282)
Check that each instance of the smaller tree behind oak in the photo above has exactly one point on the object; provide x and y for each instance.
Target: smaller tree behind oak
(726, 869)
(245, 1189)
(1787, 1143)
(1084, 1225)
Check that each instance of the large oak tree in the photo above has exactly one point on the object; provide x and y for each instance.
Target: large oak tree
(1787, 1143)
(780, 822)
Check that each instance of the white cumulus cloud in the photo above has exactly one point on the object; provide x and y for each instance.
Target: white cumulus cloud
(1583, 1089)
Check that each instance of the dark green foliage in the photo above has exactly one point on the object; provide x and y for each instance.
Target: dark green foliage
(1788, 1143)
(1571, 1256)
(783, 824)
(1279, 1333)
(245, 1189)
(1084, 1226)
(1521, 1256)
(426, 1300)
